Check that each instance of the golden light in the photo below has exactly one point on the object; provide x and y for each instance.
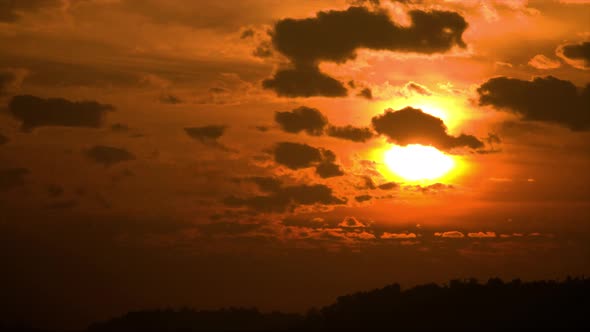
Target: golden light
(416, 162)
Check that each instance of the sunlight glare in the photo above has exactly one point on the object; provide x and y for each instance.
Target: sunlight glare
(417, 162)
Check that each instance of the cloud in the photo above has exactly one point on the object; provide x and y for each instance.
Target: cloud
(288, 198)
(366, 93)
(351, 222)
(450, 234)
(577, 55)
(335, 36)
(413, 88)
(248, 33)
(482, 234)
(545, 99)
(265, 183)
(300, 119)
(363, 198)
(314, 123)
(6, 79)
(304, 81)
(108, 155)
(388, 186)
(226, 228)
(398, 236)
(263, 50)
(355, 134)
(3, 139)
(35, 112)
(170, 99)
(540, 61)
(10, 9)
(297, 156)
(412, 126)
(12, 177)
(205, 133)
(208, 135)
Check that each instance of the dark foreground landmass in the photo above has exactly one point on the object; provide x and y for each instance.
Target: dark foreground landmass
(460, 305)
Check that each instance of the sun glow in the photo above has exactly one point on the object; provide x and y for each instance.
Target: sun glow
(417, 162)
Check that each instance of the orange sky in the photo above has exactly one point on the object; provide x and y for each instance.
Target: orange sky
(167, 175)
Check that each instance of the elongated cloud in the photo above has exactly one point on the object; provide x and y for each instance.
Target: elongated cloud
(546, 99)
(314, 123)
(287, 198)
(108, 155)
(412, 126)
(335, 36)
(36, 112)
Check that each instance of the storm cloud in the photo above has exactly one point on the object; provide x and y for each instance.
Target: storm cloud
(335, 36)
(412, 126)
(546, 99)
(36, 112)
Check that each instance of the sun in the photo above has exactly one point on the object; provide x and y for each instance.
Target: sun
(416, 162)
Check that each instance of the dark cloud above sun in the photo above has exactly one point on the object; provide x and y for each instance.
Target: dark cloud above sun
(335, 36)
(413, 126)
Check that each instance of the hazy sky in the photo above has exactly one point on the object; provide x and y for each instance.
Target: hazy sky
(176, 152)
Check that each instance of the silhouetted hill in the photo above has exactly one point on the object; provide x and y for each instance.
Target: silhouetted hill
(460, 305)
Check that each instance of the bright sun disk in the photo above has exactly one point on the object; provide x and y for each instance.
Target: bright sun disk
(418, 162)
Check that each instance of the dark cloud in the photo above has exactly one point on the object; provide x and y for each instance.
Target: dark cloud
(297, 156)
(388, 186)
(304, 81)
(314, 123)
(363, 198)
(6, 78)
(263, 50)
(208, 135)
(55, 190)
(10, 9)
(267, 184)
(336, 35)
(205, 133)
(350, 133)
(12, 177)
(351, 222)
(3, 139)
(545, 99)
(170, 99)
(119, 127)
(108, 155)
(288, 198)
(248, 33)
(412, 126)
(366, 93)
(35, 112)
(300, 119)
(579, 52)
(328, 169)
(416, 88)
